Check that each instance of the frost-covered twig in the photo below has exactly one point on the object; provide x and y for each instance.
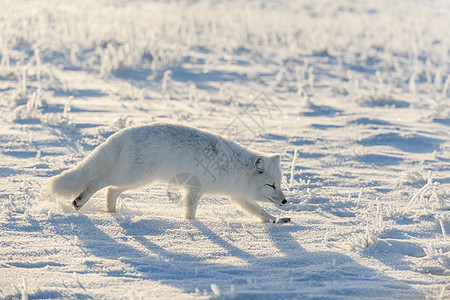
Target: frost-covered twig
(442, 293)
(24, 290)
(437, 254)
(379, 215)
(294, 159)
(165, 80)
(67, 107)
(5, 68)
(312, 194)
(311, 77)
(444, 233)
(360, 196)
(215, 289)
(37, 57)
(446, 87)
(280, 76)
(412, 83)
(193, 94)
(23, 82)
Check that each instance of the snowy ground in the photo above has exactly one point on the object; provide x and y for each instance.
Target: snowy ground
(353, 95)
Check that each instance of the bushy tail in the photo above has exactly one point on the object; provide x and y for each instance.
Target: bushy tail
(71, 183)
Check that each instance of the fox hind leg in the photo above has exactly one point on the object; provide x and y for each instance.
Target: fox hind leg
(191, 200)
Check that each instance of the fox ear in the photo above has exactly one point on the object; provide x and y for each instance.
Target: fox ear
(258, 164)
(276, 158)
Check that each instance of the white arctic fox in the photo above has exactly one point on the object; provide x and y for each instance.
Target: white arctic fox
(139, 155)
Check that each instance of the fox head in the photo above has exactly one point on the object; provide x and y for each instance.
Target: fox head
(266, 180)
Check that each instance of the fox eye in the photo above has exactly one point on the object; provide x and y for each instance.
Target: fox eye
(271, 185)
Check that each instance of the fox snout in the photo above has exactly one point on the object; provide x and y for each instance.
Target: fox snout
(284, 201)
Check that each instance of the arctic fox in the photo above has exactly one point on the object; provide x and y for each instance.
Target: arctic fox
(139, 155)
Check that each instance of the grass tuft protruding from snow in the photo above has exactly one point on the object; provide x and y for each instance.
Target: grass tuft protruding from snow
(373, 230)
(426, 195)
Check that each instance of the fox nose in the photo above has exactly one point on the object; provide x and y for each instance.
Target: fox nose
(284, 201)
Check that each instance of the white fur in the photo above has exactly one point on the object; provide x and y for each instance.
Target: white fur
(139, 155)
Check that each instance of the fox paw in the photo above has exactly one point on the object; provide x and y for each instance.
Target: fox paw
(283, 220)
(75, 203)
(279, 220)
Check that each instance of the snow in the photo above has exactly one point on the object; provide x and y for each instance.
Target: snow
(353, 95)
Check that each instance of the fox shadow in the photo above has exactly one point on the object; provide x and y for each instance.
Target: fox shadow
(292, 272)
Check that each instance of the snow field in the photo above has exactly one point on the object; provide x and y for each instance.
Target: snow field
(354, 96)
